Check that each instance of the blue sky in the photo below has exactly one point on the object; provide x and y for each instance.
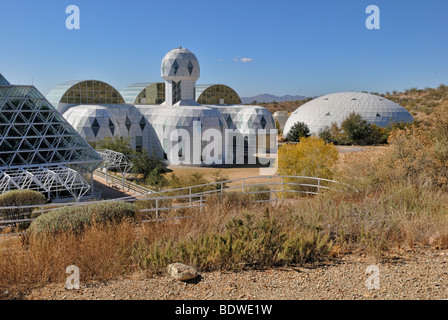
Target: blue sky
(291, 46)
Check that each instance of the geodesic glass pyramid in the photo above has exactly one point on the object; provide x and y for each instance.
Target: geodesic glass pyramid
(34, 136)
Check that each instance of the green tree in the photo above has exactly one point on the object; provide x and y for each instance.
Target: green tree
(325, 134)
(297, 131)
(147, 165)
(356, 129)
(118, 144)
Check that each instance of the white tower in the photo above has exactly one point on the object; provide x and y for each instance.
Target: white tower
(180, 69)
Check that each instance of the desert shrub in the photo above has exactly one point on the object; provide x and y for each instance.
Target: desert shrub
(229, 200)
(356, 129)
(76, 219)
(249, 240)
(218, 177)
(378, 135)
(297, 131)
(102, 252)
(156, 177)
(325, 134)
(17, 198)
(333, 134)
(148, 166)
(194, 179)
(415, 156)
(259, 192)
(312, 157)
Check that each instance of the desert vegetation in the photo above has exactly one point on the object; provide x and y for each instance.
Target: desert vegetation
(420, 102)
(297, 131)
(289, 106)
(355, 130)
(397, 200)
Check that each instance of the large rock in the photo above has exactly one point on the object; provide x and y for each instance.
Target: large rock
(182, 271)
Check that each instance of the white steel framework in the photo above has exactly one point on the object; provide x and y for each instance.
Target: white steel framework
(54, 181)
(116, 161)
(39, 150)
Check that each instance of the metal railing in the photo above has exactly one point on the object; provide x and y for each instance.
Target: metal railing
(276, 188)
(119, 182)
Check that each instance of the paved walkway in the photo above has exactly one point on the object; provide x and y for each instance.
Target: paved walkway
(109, 191)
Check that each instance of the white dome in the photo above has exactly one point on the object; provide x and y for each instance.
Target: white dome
(336, 107)
(180, 64)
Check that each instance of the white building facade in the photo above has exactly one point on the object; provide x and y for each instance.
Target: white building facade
(179, 129)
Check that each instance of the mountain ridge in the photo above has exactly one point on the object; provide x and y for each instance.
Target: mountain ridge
(266, 97)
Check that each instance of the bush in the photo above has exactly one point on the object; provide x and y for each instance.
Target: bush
(17, 198)
(77, 218)
(259, 192)
(118, 144)
(415, 156)
(249, 240)
(312, 157)
(356, 129)
(228, 200)
(297, 131)
(148, 166)
(194, 179)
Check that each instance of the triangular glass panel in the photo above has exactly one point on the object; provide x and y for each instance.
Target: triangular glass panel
(263, 122)
(142, 123)
(128, 123)
(175, 67)
(111, 127)
(95, 127)
(190, 67)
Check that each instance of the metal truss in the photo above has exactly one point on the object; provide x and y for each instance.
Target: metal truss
(39, 150)
(115, 160)
(56, 181)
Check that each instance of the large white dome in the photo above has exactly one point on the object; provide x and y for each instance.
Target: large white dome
(180, 64)
(336, 107)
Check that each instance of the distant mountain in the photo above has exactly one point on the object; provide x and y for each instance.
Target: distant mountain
(271, 98)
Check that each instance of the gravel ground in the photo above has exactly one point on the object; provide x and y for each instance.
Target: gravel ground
(419, 274)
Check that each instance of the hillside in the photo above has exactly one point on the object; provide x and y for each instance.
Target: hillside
(419, 102)
(266, 98)
(289, 106)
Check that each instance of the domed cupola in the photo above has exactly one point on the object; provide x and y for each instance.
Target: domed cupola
(180, 69)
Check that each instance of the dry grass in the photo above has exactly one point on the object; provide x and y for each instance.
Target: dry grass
(233, 233)
(100, 252)
(401, 203)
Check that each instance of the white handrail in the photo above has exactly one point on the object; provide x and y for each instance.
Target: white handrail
(164, 195)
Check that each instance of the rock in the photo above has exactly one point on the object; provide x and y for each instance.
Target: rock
(182, 272)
